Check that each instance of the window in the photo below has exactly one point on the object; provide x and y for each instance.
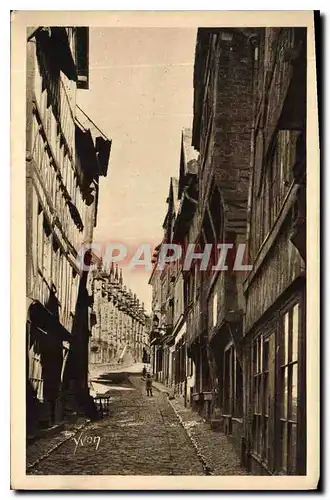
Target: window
(40, 237)
(289, 388)
(238, 401)
(280, 170)
(232, 383)
(190, 367)
(47, 250)
(56, 261)
(35, 372)
(261, 396)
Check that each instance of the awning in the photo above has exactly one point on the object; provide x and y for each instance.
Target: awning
(42, 318)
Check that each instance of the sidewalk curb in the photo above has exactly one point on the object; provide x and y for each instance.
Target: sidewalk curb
(65, 439)
(207, 468)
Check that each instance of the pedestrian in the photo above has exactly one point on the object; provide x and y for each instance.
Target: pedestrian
(149, 385)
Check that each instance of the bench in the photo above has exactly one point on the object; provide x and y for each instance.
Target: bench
(102, 403)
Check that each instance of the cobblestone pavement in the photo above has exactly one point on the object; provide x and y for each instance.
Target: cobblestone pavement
(142, 436)
(215, 450)
(43, 446)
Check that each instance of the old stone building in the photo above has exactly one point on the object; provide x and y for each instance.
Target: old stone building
(120, 328)
(63, 163)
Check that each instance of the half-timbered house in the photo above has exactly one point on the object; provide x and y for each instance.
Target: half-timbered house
(222, 134)
(61, 207)
(274, 329)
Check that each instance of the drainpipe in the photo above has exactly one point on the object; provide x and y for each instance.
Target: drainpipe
(253, 40)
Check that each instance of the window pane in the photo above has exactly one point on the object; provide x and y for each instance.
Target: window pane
(292, 448)
(255, 350)
(286, 339)
(265, 439)
(295, 332)
(284, 395)
(284, 438)
(265, 395)
(265, 356)
(260, 434)
(259, 394)
(255, 433)
(294, 392)
(255, 393)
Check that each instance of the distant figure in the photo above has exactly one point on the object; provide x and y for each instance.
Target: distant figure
(144, 372)
(149, 385)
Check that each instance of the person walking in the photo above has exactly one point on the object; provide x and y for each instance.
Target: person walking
(149, 385)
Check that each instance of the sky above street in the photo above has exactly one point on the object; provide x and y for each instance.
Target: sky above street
(141, 96)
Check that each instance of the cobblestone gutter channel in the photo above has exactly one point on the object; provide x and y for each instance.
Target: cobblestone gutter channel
(215, 452)
(208, 471)
(206, 467)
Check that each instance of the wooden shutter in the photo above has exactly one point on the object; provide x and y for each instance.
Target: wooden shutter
(82, 57)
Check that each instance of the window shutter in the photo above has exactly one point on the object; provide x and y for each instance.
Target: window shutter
(82, 57)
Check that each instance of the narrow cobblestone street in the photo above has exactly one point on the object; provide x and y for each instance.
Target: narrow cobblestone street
(142, 436)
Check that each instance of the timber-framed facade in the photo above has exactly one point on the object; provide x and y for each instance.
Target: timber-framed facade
(241, 359)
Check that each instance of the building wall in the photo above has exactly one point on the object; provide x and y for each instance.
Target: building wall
(121, 328)
(274, 343)
(52, 250)
(59, 219)
(52, 236)
(222, 134)
(241, 358)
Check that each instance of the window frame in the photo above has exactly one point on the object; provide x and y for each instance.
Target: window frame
(286, 363)
(260, 395)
